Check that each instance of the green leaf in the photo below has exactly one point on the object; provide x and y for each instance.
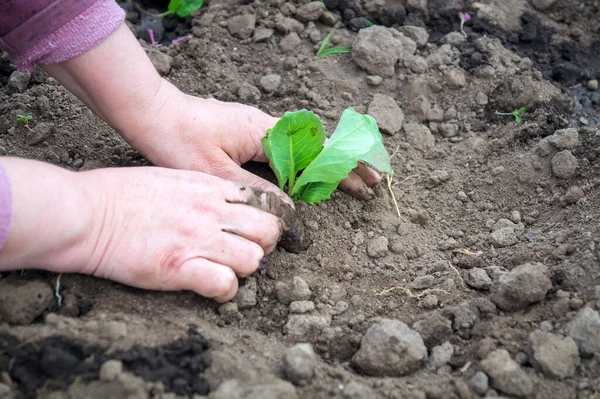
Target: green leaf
(183, 8)
(324, 43)
(295, 140)
(336, 50)
(355, 138)
(174, 5)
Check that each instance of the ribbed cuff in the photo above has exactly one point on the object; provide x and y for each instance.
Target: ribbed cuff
(5, 206)
(74, 38)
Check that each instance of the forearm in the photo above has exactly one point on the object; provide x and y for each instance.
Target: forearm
(52, 214)
(119, 83)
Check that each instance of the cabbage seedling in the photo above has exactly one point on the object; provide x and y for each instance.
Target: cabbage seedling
(516, 114)
(181, 8)
(311, 166)
(24, 119)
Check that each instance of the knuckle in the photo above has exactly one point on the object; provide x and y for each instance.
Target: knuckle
(225, 284)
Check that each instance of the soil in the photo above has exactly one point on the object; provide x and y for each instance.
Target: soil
(483, 282)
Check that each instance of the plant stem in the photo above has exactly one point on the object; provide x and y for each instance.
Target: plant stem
(162, 15)
(504, 113)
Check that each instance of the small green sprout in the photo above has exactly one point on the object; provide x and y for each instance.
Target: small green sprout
(181, 8)
(24, 119)
(331, 50)
(516, 114)
(368, 22)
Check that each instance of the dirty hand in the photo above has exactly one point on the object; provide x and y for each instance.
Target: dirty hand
(151, 228)
(217, 137)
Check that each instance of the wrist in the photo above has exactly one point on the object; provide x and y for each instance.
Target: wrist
(52, 218)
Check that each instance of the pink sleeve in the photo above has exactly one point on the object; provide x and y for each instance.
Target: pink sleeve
(5, 206)
(51, 31)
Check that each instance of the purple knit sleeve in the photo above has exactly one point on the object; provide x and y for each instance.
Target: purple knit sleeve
(51, 31)
(5, 205)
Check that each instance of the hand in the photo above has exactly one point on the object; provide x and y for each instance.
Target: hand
(217, 137)
(176, 230)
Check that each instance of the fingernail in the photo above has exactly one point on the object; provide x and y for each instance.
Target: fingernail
(263, 263)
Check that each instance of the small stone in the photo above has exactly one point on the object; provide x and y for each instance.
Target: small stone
(419, 136)
(291, 43)
(378, 247)
(39, 133)
(270, 83)
(22, 301)
(5, 390)
(418, 34)
(356, 390)
(441, 355)
(242, 26)
(466, 315)
(564, 165)
(248, 93)
(553, 355)
(436, 178)
(416, 63)
(296, 290)
(453, 38)
(515, 217)
(448, 129)
(574, 194)
(299, 363)
(585, 330)
(522, 286)
(228, 308)
(246, 296)
(542, 5)
(262, 34)
(481, 99)
(593, 85)
(435, 329)
(422, 282)
(390, 348)
(301, 307)
(17, 82)
(310, 12)
(504, 237)
(478, 278)
(285, 25)
(454, 78)
(110, 370)
(506, 375)
(374, 80)
(387, 113)
(161, 61)
(377, 50)
(565, 139)
(479, 383)
(430, 302)
(329, 18)
(301, 327)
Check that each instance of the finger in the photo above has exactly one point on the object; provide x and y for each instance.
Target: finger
(235, 173)
(206, 278)
(253, 224)
(265, 201)
(370, 176)
(356, 187)
(238, 253)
